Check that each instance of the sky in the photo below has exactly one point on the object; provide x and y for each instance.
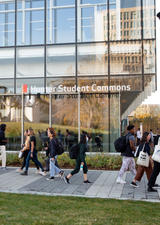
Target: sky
(155, 97)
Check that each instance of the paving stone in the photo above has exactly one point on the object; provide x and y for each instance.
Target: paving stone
(104, 185)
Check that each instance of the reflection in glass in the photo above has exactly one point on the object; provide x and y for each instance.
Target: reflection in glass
(114, 120)
(61, 60)
(94, 120)
(60, 22)
(32, 86)
(93, 59)
(65, 117)
(6, 62)
(149, 56)
(7, 23)
(60, 85)
(30, 62)
(92, 22)
(125, 19)
(6, 86)
(30, 22)
(126, 83)
(126, 58)
(10, 114)
(148, 19)
(36, 115)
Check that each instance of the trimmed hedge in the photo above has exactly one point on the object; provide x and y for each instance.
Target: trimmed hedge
(97, 161)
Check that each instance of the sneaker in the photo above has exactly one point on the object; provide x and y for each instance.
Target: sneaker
(57, 175)
(66, 180)
(4, 168)
(87, 182)
(37, 171)
(19, 170)
(150, 189)
(50, 178)
(42, 173)
(61, 173)
(24, 173)
(133, 184)
(120, 181)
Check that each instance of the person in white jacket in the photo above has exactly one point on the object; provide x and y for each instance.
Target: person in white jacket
(3, 142)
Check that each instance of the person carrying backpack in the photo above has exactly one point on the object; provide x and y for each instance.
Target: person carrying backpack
(80, 161)
(128, 161)
(53, 155)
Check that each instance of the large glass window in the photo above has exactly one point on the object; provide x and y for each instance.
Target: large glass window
(126, 84)
(30, 62)
(149, 56)
(92, 21)
(61, 60)
(10, 114)
(60, 85)
(6, 86)
(125, 19)
(30, 22)
(93, 59)
(28, 85)
(65, 117)
(114, 119)
(60, 21)
(126, 58)
(36, 115)
(7, 23)
(148, 19)
(6, 62)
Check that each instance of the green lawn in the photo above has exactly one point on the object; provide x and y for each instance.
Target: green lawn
(37, 210)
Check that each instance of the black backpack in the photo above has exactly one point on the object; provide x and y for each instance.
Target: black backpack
(73, 151)
(59, 147)
(121, 144)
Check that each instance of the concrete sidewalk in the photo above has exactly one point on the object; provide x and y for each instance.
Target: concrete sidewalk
(103, 186)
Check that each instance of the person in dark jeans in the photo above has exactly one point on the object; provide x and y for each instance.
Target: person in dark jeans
(25, 151)
(32, 154)
(80, 161)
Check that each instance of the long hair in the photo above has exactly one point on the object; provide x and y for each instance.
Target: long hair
(52, 131)
(83, 139)
(144, 137)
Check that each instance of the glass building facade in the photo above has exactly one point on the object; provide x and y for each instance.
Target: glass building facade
(105, 50)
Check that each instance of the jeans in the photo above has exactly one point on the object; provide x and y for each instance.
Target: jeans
(34, 159)
(53, 168)
(25, 154)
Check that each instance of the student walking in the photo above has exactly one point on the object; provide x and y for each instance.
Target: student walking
(25, 151)
(53, 155)
(3, 142)
(145, 146)
(80, 161)
(128, 156)
(32, 153)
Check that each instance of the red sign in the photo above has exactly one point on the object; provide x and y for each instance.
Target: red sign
(25, 88)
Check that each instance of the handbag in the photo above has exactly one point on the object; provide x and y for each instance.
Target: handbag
(156, 154)
(20, 155)
(143, 158)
